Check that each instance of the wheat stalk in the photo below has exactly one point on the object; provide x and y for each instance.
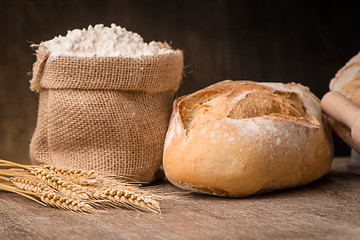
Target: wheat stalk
(32, 186)
(120, 193)
(73, 189)
(102, 187)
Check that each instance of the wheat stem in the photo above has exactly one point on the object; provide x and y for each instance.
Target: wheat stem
(9, 163)
(8, 188)
(4, 178)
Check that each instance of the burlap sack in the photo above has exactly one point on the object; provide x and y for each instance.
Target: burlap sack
(108, 114)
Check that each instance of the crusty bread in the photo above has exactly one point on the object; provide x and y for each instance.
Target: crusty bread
(347, 82)
(237, 138)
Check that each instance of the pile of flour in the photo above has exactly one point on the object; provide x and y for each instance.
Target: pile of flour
(100, 41)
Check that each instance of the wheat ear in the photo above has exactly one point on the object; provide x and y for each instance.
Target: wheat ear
(83, 177)
(30, 184)
(120, 193)
(68, 188)
(49, 196)
(65, 171)
(57, 200)
(131, 199)
(72, 189)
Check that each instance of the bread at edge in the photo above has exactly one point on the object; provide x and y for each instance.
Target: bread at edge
(237, 138)
(347, 82)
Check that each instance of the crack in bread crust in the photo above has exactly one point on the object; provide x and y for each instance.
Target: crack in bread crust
(267, 103)
(247, 100)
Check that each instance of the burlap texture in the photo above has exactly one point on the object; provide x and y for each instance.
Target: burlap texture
(108, 114)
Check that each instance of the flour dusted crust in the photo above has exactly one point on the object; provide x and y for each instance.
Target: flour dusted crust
(347, 82)
(237, 138)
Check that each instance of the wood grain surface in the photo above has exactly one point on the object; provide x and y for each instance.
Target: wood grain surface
(279, 41)
(326, 209)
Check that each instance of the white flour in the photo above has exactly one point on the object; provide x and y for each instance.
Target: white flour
(102, 41)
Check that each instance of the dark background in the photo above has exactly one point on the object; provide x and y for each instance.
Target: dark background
(277, 41)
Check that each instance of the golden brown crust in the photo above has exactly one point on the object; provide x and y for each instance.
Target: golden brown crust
(269, 102)
(217, 144)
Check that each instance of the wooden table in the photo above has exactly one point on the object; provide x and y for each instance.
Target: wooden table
(326, 209)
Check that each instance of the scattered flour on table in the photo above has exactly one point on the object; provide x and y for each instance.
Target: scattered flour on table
(100, 41)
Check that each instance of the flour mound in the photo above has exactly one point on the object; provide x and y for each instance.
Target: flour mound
(101, 41)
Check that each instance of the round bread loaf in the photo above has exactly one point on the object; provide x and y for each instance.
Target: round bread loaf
(237, 138)
(347, 82)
